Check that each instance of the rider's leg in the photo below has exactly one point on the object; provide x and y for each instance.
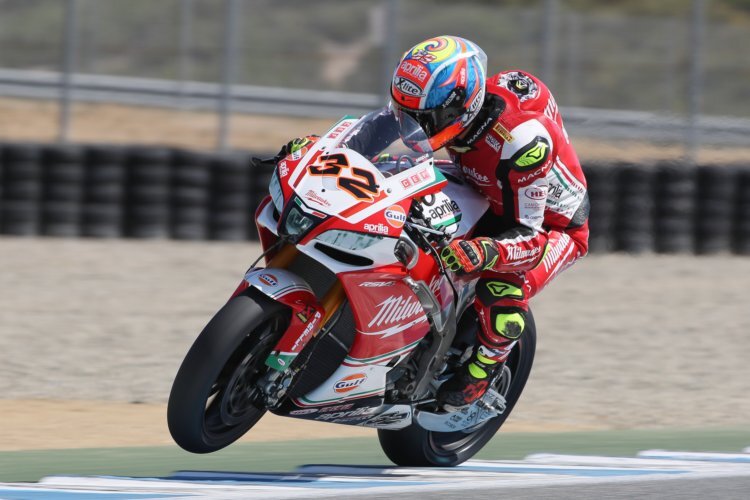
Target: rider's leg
(502, 308)
(502, 305)
(563, 249)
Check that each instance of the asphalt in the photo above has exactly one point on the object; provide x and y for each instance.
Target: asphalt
(724, 488)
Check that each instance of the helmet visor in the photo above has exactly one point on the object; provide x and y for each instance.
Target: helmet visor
(411, 131)
(436, 119)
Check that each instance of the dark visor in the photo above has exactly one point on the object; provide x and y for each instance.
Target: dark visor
(436, 119)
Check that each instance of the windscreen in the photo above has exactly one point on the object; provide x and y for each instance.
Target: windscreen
(386, 131)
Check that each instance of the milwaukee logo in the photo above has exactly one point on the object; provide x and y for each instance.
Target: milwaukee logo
(476, 176)
(394, 309)
(515, 253)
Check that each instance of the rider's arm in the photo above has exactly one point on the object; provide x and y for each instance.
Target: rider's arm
(375, 136)
(524, 165)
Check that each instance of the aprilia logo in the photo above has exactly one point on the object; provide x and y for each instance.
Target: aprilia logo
(448, 208)
(395, 309)
(418, 72)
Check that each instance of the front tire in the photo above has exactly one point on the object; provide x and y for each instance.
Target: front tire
(215, 398)
(414, 446)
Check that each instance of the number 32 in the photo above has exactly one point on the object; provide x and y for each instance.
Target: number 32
(361, 184)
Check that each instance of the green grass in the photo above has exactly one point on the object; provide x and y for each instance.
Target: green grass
(286, 455)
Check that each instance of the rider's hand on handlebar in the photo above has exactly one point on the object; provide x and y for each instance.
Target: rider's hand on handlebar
(295, 145)
(469, 256)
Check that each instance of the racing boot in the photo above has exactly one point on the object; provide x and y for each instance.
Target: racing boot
(470, 381)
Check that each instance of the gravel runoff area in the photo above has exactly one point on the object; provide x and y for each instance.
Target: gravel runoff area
(87, 326)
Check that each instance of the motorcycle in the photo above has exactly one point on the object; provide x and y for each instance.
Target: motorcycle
(353, 320)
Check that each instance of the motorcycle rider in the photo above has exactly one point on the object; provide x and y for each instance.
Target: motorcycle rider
(506, 135)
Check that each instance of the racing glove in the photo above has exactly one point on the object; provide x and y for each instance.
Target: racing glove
(470, 256)
(295, 145)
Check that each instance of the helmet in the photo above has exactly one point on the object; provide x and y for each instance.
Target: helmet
(440, 83)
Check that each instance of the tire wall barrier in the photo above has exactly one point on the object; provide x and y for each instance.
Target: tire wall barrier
(156, 192)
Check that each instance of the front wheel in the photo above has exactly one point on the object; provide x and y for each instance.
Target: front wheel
(414, 446)
(215, 398)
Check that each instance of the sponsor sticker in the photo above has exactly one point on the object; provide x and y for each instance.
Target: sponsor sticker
(535, 193)
(416, 71)
(337, 407)
(355, 414)
(474, 106)
(337, 131)
(308, 330)
(378, 228)
(395, 309)
(395, 216)
(502, 132)
(518, 253)
(283, 169)
(376, 284)
(349, 383)
(492, 142)
(304, 411)
(476, 176)
(268, 279)
(311, 195)
(550, 110)
(407, 86)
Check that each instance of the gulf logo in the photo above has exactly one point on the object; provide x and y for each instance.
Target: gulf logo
(395, 216)
(350, 382)
(268, 279)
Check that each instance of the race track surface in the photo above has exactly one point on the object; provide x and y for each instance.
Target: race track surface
(652, 473)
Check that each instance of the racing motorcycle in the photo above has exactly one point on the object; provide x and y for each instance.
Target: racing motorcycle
(353, 319)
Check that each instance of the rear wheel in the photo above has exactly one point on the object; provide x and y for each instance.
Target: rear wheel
(415, 446)
(215, 398)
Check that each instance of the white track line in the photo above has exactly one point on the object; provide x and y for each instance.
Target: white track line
(320, 481)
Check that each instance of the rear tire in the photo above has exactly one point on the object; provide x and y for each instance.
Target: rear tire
(414, 446)
(214, 398)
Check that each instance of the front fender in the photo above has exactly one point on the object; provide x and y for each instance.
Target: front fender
(280, 285)
(307, 313)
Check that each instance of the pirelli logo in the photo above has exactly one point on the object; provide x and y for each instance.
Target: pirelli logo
(502, 132)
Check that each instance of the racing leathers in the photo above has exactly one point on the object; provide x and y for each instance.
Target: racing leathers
(518, 155)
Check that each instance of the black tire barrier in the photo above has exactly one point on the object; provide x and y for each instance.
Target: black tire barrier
(634, 209)
(230, 217)
(22, 189)
(147, 193)
(601, 184)
(62, 191)
(675, 201)
(153, 192)
(104, 192)
(715, 201)
(190, 195)
(741, 242)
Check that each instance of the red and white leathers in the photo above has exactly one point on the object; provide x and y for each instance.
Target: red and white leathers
(517, 153)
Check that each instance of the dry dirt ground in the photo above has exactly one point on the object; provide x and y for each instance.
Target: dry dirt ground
(27, 120)
(93, 331)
